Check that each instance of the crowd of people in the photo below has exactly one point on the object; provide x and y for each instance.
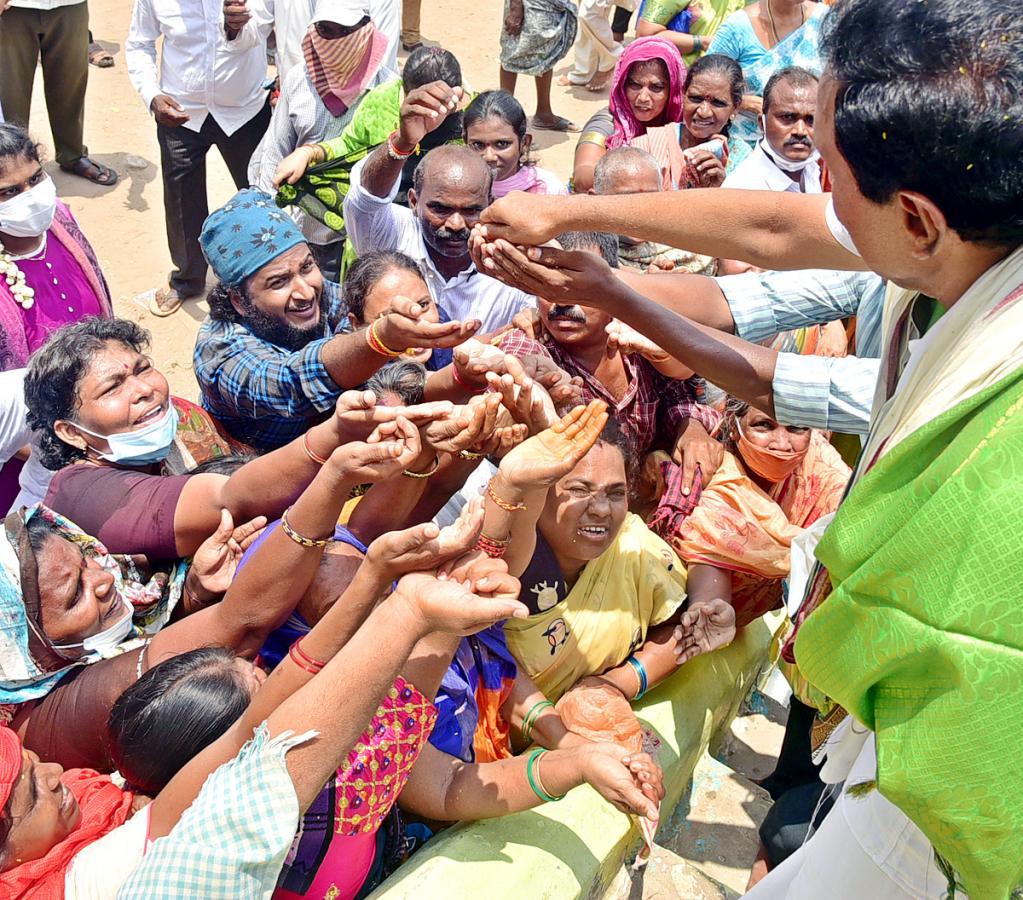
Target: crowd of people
(480, 453)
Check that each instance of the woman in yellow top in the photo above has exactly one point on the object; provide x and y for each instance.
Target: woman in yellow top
(705, 17)
(606, 595)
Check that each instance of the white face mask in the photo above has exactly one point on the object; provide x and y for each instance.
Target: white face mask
(31, 212)
(142, 447)
(786, 164)
(102, 643)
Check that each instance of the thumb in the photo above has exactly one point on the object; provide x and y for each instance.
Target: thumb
(226, 527)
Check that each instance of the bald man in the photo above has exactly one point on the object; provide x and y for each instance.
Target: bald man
(450, 188)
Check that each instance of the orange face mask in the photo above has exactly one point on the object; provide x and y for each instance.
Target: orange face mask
(773, 465)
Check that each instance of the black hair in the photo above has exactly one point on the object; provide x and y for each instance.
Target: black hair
(454, 150)
(932, 102)
(497, 105)
(797, 76)
(39, 531)
(55, 372)
(404, 377)
(606, 243)
(219, 300)
(735, 409)
(223, 465)
(428, 64)
(719, 64)
(613, 435)
(366, 271)
(173, 712)
(15, 143)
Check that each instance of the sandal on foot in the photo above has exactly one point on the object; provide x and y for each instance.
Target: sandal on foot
(559, 124)
(93, 171)
(165, 302)
(100, 58)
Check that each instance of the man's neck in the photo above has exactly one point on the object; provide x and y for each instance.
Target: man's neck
(448, 266)
(957, 276)
(590, 356)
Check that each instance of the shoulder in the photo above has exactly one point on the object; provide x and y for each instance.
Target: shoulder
(552, 184)
(598, 128)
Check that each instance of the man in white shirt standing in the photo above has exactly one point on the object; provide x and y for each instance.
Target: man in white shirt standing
(786, 158)
(450, 188)
(55, 32)
(208, 92)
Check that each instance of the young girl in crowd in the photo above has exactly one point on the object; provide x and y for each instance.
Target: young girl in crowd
(711, 96)
(646, 92)
(495, 126)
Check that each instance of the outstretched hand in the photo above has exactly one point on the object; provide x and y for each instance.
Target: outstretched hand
(356, 414)
(390, 449)
(553, 453)
(525, 218)
(426, 547)
(424, 110)
(632, 782)
(708, 627)
(453, 607)
(217, 558)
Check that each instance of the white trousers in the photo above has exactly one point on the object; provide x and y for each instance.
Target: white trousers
(596, 50)
(866, 849)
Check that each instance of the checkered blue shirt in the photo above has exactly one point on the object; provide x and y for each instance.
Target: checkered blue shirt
(265, 395)
(815, 391)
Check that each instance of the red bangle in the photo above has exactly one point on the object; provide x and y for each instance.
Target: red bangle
(377, 345)
(315, 457)
(494, 548)
(301, 659)
(457, 379)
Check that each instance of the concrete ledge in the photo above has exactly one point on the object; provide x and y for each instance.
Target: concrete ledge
(575, 848)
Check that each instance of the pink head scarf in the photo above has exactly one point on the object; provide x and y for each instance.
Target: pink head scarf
(627, 126)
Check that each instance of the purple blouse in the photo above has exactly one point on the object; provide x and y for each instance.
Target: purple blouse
(62, 292)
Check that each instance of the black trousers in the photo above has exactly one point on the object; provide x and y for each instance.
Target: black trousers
(620, 22)
(183, 164)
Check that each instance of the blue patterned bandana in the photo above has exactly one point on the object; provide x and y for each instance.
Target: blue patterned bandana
(245, 234)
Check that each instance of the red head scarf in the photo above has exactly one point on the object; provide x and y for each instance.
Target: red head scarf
(104, 806)
(627, 126)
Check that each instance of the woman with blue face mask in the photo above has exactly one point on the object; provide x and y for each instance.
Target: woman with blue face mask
(49, 275)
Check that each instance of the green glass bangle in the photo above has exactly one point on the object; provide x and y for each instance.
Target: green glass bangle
(533, 778)
(529, 722)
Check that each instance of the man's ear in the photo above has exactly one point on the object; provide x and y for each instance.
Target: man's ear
(923, 221)
(69, 434)
(237, 302)
(412, 199)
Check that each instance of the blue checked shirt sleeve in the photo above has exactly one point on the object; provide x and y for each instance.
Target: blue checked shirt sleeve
(825, 392)
(764, 304)
(243, 376)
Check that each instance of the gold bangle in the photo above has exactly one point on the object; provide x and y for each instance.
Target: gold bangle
(377, 345)
(503, 504)
(299, 539)
(436, 465)
(468, 454)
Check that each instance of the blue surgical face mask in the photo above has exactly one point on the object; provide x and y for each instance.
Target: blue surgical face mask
(141, 447)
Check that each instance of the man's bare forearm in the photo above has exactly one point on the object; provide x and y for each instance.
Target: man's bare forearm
(734, 365)
(380, 172)
(770, 229)
(696, 297)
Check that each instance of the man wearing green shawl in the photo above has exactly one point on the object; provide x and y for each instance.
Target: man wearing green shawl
(915, 625)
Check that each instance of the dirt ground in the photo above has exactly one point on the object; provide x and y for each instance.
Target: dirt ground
(125, 223)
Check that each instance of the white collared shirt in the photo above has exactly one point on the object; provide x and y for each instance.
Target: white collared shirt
(376, 223)
(44, 5)
(757, 172)
(200, 68)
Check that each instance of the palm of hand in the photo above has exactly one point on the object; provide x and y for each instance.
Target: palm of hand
(214, 565)
(715, 626)
(543, 458)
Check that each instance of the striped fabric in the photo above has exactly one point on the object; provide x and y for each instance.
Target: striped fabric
(814, 391)
(232, 841)
(337, 67)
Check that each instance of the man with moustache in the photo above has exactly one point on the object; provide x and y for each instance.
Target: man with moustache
(276, 349)
(653, 411)
(450, 188)
(786, 158)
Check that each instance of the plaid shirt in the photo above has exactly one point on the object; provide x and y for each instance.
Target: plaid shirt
(651, 399)
(263, 394)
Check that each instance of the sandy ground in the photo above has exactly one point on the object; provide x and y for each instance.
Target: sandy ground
(125, 223)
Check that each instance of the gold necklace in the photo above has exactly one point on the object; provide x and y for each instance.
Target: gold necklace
(774, 28)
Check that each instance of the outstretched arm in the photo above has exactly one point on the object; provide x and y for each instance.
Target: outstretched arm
(770, 229)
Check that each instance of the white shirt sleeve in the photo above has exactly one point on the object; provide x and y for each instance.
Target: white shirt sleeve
(374, 223)
(99, 870)
(256, 30)
(140, 51)
(838, 231)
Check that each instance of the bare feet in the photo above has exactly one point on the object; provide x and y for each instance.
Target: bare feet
(600, 81)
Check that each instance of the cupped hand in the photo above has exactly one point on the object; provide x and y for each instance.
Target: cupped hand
(390, 449)
(473, 359)
(466, 428)
(703, 629)
(356, 414)
(404, 327)
(553, 453)
(626, 339)
(629, 781)
(168, 112)
(425, 547)
(217, 558)
(450, 606)
(525, 399)
(708, 169)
